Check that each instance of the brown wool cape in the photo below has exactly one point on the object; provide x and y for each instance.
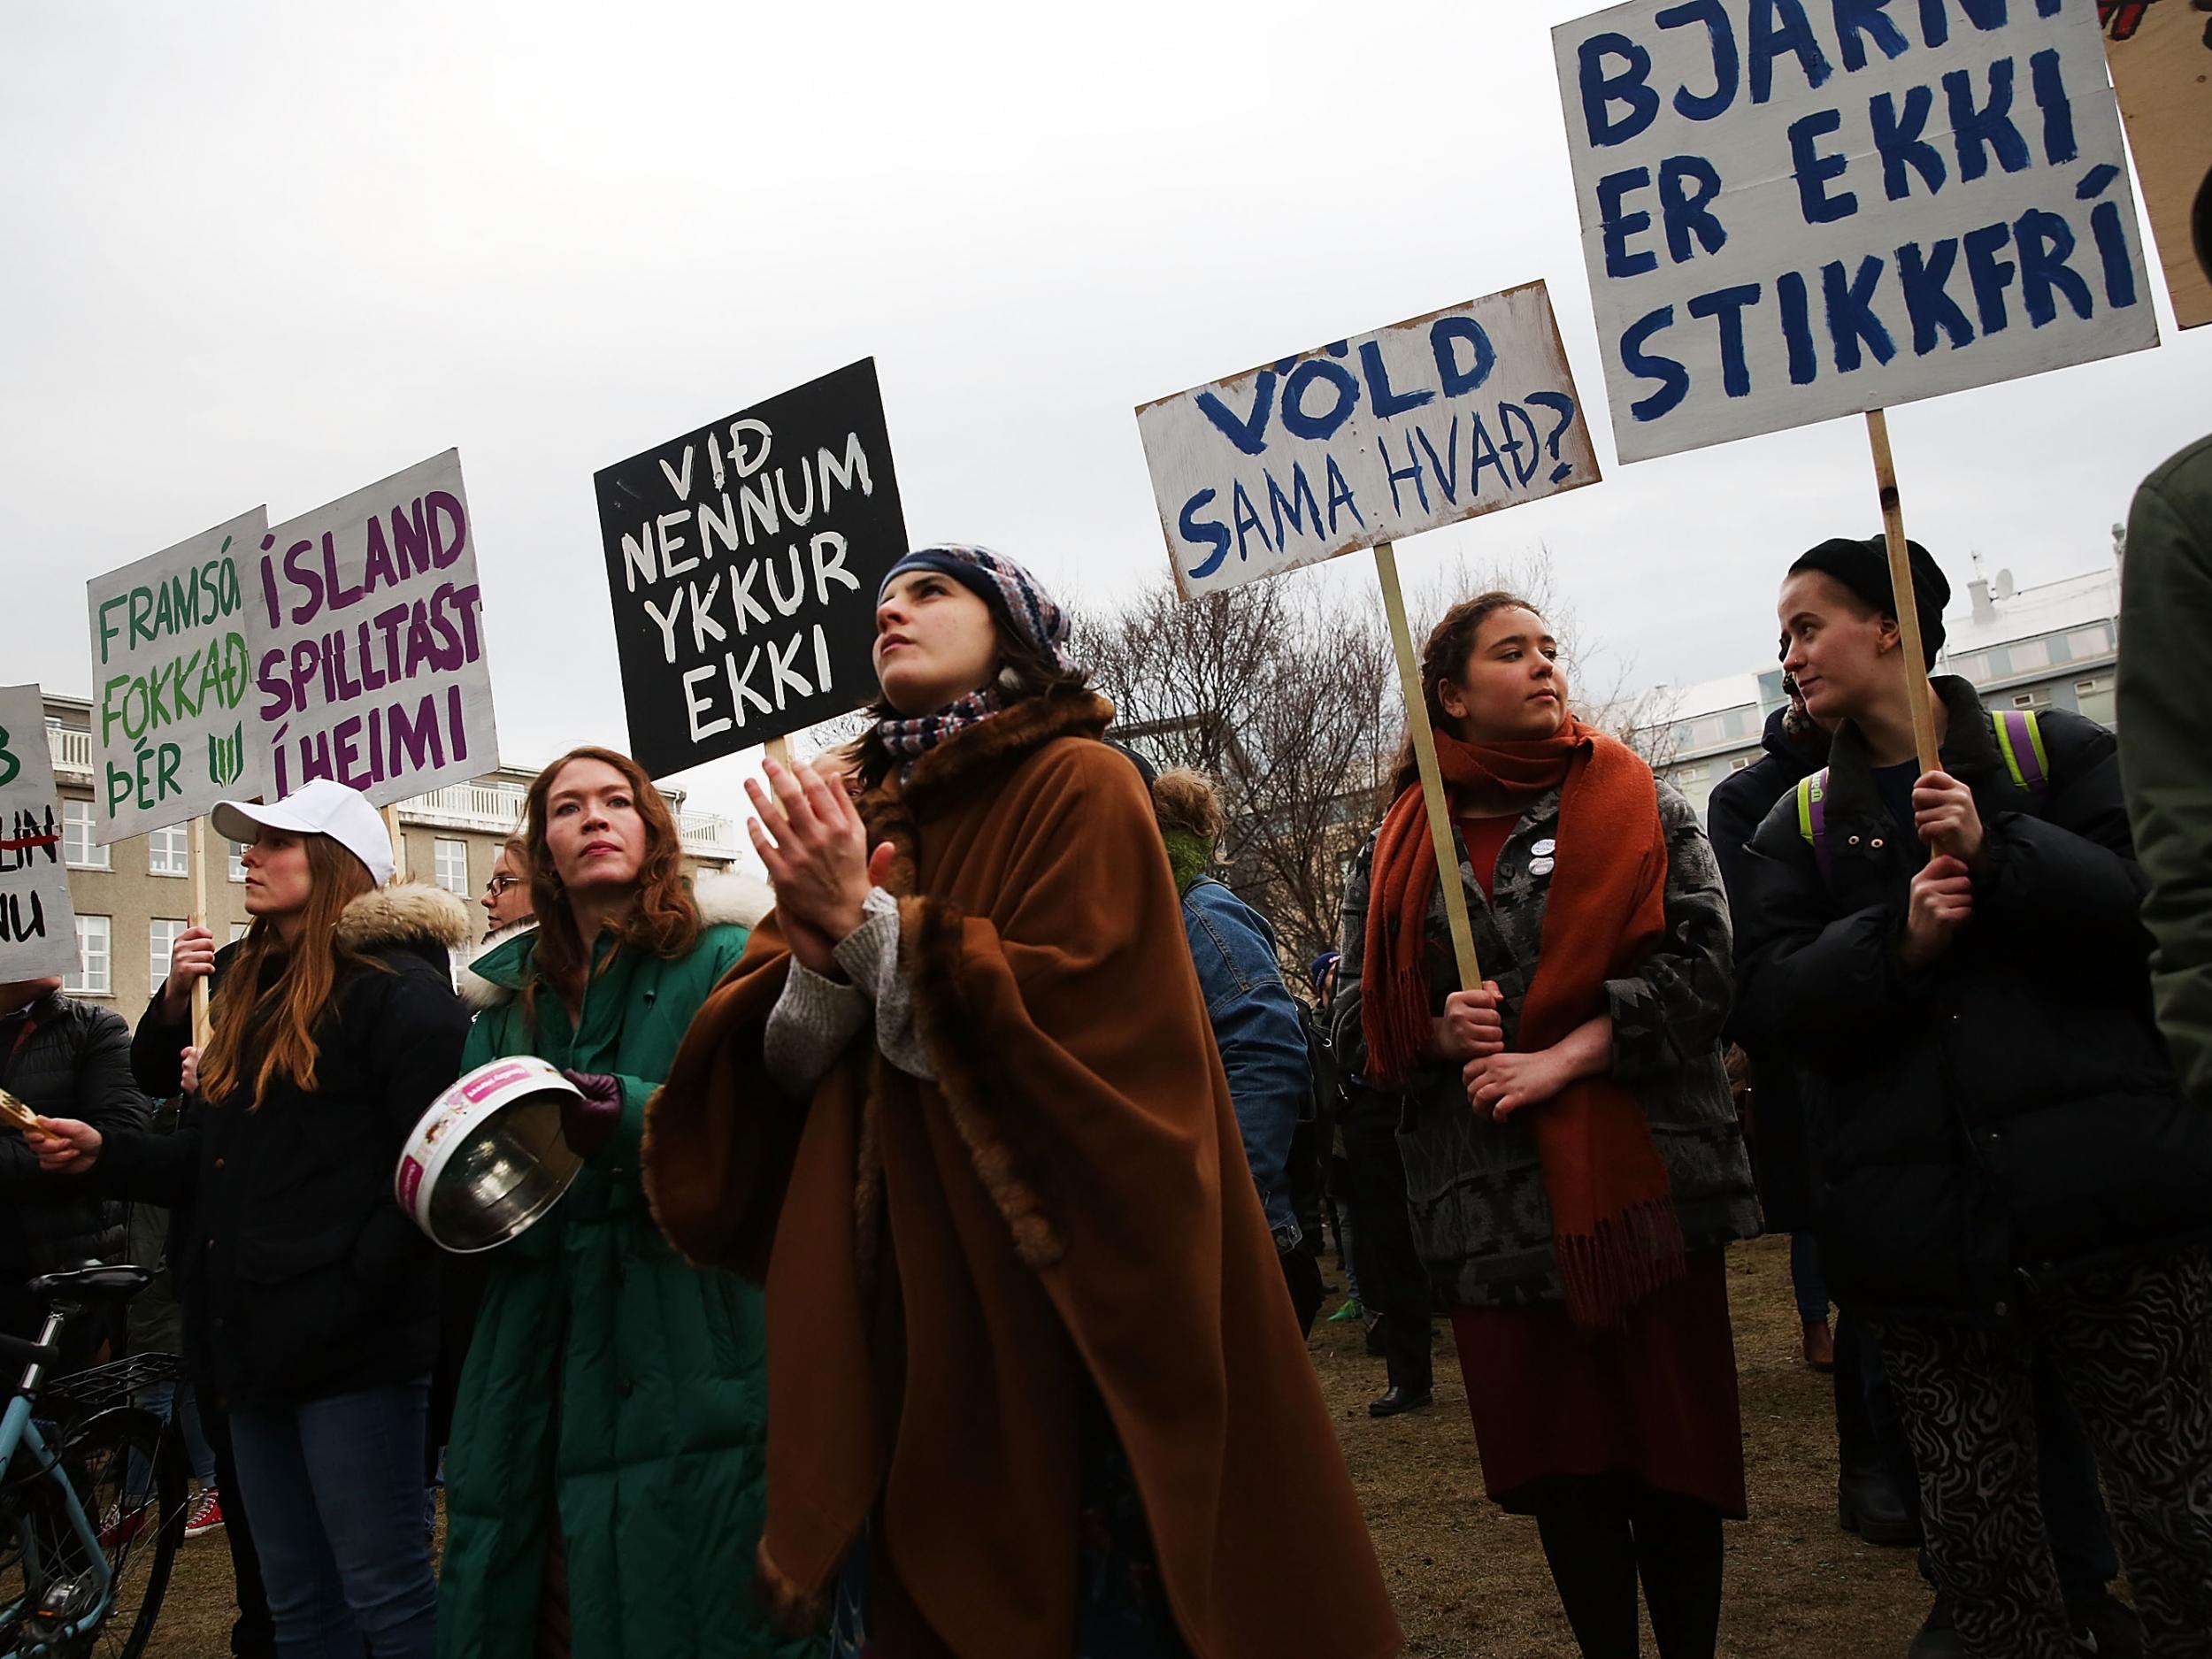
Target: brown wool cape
(945, 1261)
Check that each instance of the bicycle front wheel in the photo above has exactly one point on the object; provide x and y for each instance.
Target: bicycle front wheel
(127, 1471)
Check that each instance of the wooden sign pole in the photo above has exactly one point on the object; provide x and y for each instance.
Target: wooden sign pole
(1924, 732)
(1432, 774)
(399, 842)
(197, 857)
(778, 750)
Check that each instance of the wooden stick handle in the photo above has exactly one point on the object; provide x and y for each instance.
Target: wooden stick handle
(399, 842)
(1432, 774)
(778, 750)
(197, 857)
(1922, 705)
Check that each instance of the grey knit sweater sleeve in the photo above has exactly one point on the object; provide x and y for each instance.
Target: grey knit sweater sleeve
(816, 1016)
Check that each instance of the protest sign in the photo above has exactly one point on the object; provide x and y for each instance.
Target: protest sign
(1797, 209)
(369, 641)
(2160, 53)
(1460, 412)
(173, 729)
(743, 560)
(1353, 444)
(38, 929)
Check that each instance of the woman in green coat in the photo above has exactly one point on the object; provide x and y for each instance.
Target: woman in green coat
(603, 1482)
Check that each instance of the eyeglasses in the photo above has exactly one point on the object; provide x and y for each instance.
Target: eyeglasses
(498, 884)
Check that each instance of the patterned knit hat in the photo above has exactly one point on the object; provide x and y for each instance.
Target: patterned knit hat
(1011, 592)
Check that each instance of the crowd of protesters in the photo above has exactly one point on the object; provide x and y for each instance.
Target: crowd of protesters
(948, 1224)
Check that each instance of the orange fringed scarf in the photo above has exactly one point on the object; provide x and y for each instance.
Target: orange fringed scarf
(1615, 1233)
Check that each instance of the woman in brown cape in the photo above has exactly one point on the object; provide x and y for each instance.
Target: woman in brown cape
(1035, 1387)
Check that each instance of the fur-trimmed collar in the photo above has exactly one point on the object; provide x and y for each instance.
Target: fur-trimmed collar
(993, 746)
(405, 913)
(981, 755)
(725, 898)
(478, 992)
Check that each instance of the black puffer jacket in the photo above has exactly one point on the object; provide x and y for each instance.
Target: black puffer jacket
(2008, 1110)
(75, 1063)
(300, 1277)
(1780, 1158)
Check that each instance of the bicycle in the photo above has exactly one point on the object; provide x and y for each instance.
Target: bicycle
(92, 1489)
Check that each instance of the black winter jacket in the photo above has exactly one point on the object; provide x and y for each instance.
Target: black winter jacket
(1780, 1158)
(75, 1063)
(300, 1277)
(2008, 1110)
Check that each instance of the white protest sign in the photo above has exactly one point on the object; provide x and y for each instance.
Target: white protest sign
(1798, 209)
(173, 729)
(369, 663)
(1365, 440)
(38, 929)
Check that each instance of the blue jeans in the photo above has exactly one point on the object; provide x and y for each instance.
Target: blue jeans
(334, 1491)
(174, 1404)
(1807, 1281)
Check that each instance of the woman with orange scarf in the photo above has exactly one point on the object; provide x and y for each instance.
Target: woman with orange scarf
(1573, 1166)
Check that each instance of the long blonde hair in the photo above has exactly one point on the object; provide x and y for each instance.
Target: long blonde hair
(270, 1033)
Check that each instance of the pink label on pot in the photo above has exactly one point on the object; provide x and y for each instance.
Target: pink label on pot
(492, 1081)
(410, 1181)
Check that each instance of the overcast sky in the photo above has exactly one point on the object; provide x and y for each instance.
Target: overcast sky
(273, 252)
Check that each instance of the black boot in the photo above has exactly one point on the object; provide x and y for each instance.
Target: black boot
(1867, 1503)
(1394, 1400)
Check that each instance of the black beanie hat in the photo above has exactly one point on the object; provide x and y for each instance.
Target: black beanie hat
(1863, 567)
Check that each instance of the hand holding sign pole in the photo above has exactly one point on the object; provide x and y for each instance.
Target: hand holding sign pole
(1358, 443)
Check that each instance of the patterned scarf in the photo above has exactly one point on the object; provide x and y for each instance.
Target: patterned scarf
(1615, 1234)
(908, 741)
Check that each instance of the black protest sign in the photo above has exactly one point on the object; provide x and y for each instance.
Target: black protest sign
(743, 561)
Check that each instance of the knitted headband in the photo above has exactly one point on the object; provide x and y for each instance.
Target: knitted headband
(1013, 594)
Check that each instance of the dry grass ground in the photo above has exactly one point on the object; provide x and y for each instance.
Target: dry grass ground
(1469, 1582)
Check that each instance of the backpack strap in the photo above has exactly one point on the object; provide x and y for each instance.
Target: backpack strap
(1812, 816)
(2020, 741)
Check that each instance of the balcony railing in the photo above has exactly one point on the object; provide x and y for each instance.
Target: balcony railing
(73, 749)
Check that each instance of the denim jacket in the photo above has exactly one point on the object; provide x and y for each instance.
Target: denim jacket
(1259, 1029)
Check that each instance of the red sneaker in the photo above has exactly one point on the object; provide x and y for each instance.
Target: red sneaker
(205, 1515)
(118, 1529)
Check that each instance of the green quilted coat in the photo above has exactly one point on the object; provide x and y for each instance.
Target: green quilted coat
(610, 1391)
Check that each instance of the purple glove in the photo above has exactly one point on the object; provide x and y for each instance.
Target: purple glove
(589, 1124)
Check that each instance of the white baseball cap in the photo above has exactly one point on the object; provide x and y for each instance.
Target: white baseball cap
(319, 808)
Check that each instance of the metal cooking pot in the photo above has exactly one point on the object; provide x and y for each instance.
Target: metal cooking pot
(487, 1160)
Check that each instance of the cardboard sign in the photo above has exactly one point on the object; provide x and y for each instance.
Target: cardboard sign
(1798, 209)
(1365, 440)
(38, 929)
(743, 561)
(2160, 53)
(370, 663)
(173, 729)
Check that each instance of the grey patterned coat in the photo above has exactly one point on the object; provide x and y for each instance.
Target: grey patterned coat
(1476, 1190)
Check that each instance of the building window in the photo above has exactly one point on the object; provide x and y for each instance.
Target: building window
(450, 863)
(2095, 699)
(239, 930)
(91, 978)
(169, 851)
(78, 850)
(1739, 762)
(2032, 699)
(161, 939)
(237, 862)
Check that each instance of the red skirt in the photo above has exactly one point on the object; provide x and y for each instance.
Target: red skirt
(1656, 1400)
